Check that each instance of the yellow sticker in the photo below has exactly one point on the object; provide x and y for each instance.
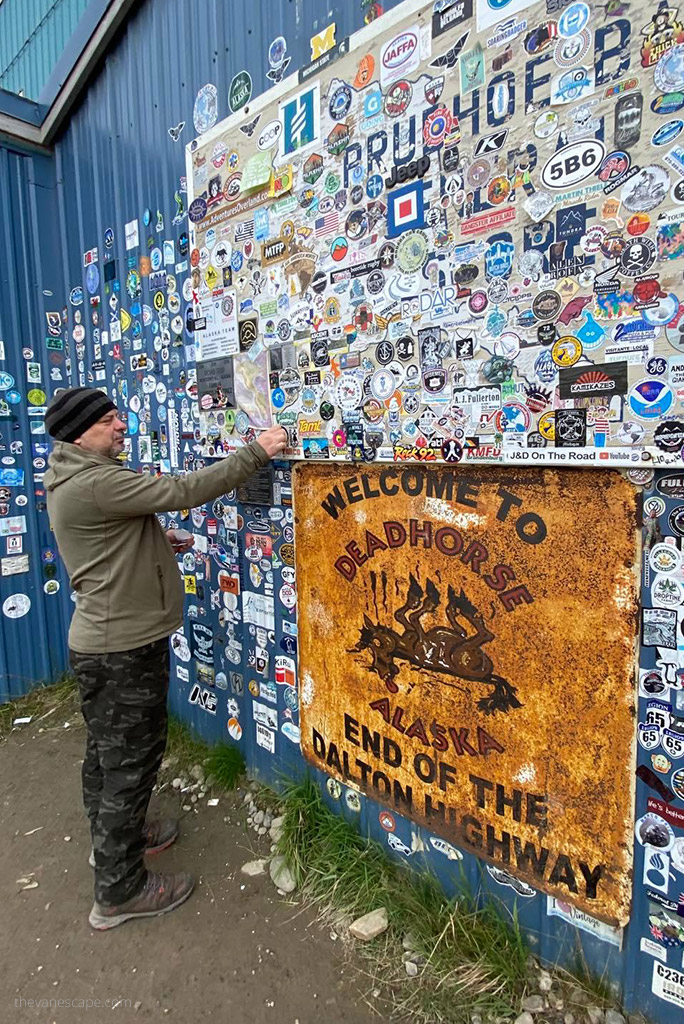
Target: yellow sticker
(323, 42)
(566, 350)
(547, 426)
(190, 584)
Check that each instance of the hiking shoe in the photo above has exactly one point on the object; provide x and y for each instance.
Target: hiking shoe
(160, 894)
(158, 836)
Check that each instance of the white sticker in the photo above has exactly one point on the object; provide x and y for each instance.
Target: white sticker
(265, 738)
(668, 984)
(14, 565)
(556, 908)
(572, 164)
(653, 948)
(12, 525)
(400, 56)
(264, 715)
(131, 235)
(180, 647)
(16, 605)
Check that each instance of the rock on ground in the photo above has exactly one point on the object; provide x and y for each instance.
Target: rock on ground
(281, 876)
(254, 868)
(370, 925)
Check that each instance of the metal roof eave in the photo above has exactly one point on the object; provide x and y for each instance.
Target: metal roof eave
(37, 123)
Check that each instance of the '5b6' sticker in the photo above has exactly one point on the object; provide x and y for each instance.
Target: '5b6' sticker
(573, 163)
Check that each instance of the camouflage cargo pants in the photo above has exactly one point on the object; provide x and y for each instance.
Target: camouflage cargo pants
(123, 700)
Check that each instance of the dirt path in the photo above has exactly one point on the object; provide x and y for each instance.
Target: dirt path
(236, 951)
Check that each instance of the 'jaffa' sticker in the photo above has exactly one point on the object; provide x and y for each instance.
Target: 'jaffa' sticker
(16, 605)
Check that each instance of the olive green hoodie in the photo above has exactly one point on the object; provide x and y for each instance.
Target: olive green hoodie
(119, 560)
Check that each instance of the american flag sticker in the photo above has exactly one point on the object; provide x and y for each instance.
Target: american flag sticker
(327, 224)
(244, 230)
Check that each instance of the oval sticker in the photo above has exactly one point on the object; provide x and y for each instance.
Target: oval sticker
(573, 163)
(270, 135)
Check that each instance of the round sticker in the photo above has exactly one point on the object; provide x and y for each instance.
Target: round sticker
(675, 519)
(383, 384)
(16, 605)
(669, 71)
(573, 20)
(665, 558)
(566, 350)
(651, 399)
(412, 251)
(666, 592)
(205, 110)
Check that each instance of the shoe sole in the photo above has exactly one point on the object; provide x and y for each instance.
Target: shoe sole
(102, 924)
(149, 850)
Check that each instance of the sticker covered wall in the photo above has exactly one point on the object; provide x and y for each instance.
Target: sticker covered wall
(457, 679)
(456, 235)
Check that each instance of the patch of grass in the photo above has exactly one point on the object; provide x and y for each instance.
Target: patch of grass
(41, 702)
(183, 747)
(226, 764)
(597, 988)
(472, 958)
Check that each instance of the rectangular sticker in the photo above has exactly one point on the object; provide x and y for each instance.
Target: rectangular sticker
(219, 337)
(265, 738)
(668, 984)
(12, 525)
(14, 565)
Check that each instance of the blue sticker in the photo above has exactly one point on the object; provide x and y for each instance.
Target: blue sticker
(197, 210)
(11, 477)
(405, 209)
(6, 380)
(667, 132)
(573, 19)
(92, 277)
(650, 399)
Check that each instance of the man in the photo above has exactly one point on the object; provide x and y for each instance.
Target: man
(129, 599)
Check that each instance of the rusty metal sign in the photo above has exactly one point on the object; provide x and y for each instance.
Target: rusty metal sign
(467, 645)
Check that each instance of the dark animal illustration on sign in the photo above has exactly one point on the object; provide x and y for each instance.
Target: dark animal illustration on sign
(447, 650)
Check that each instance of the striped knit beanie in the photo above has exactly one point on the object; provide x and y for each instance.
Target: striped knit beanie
(72, 411)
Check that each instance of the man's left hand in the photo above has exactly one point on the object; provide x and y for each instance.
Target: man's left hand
(179, 544)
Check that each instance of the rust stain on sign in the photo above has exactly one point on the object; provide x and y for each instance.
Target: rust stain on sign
(467, 648)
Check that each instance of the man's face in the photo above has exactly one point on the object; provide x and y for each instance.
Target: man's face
(106, 437)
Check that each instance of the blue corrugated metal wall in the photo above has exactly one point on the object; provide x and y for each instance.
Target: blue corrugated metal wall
(32, 645)
(115, 163)
(33, 34)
